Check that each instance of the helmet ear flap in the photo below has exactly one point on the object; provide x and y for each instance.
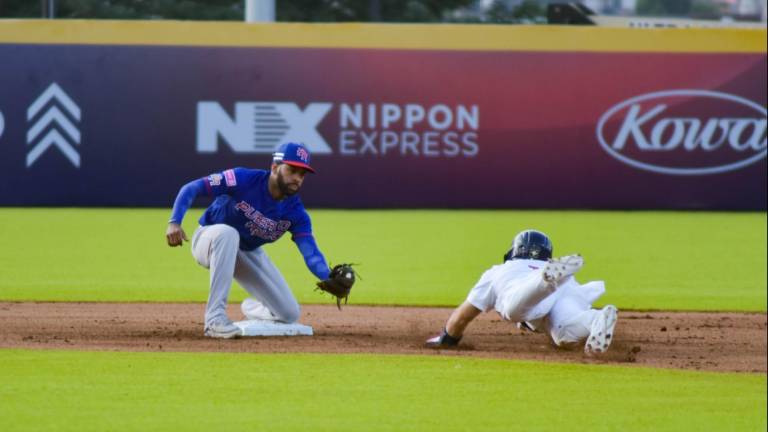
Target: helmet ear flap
(508, 255)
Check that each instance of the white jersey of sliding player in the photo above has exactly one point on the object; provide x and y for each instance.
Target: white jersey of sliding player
(517, 291)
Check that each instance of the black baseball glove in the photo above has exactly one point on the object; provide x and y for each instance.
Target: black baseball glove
(339, 282)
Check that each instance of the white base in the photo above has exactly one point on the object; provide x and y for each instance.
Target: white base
(272, 328)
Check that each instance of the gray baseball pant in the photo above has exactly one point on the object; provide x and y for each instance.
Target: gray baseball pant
(217, 248)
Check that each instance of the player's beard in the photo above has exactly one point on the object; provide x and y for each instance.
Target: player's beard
(285, 188)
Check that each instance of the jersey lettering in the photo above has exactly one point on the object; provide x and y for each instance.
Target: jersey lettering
(260, 225)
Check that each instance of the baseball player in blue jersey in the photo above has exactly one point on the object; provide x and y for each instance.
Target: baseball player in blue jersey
(538, 293)
(251, 208)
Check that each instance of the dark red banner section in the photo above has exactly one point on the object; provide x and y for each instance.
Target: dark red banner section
(127, 125)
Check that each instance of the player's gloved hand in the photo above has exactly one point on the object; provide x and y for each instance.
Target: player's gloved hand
(443, 340)
(525, 326)
(175, 234)
(339, 282)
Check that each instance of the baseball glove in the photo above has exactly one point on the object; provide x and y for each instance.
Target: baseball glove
(339, 282)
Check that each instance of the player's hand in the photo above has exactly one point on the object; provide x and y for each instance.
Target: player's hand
(443, 340)
(175, 234)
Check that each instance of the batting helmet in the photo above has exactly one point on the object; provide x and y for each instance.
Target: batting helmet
(530, 244)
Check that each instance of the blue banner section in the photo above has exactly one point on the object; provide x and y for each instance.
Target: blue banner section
(129, 125)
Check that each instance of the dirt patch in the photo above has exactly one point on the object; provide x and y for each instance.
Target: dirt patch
(681, 340)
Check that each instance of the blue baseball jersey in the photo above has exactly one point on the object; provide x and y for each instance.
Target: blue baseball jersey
(243, 202)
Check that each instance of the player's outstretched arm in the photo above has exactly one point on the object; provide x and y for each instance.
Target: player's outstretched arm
(454, 329)
(460, 318)
(175, 234)
(313, 258)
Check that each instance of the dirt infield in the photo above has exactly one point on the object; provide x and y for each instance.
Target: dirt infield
(697, 341)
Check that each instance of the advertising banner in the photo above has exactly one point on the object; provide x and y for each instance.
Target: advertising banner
(128, 125)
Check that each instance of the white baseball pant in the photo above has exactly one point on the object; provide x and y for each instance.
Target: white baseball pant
(521, 296)
(570, 319)
(217, 248)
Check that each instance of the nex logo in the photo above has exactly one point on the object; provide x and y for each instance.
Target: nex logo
(259, 127)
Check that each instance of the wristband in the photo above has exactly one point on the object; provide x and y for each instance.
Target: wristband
(448, 340)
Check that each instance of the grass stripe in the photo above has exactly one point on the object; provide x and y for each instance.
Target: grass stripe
(43, 390)
(649, 260)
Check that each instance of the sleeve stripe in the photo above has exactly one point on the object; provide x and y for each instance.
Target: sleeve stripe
(208, 187)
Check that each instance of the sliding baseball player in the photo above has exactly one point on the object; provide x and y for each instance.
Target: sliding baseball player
(540, 294)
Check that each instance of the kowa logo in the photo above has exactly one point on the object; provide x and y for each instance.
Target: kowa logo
(685, 132)
(363, 128)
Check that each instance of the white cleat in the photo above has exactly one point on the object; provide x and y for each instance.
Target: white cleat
(255, 310)
(559, 269)
(601, 332)
(222, 329)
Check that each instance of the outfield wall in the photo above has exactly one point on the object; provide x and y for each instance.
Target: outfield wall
(104, 113)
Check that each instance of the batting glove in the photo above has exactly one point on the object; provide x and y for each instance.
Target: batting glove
(443, 340)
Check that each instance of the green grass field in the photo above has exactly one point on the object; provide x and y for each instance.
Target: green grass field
(202, 392)
(650, 260)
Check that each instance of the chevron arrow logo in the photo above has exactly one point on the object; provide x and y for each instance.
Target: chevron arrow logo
(53, 116)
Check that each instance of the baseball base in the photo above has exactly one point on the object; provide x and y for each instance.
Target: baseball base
(272, 328)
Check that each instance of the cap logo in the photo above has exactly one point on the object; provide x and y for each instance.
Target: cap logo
(302, 154)
(292, 154)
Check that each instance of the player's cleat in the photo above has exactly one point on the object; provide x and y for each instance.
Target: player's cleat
(601, 332)
(255, 310)
(222, 329)
(558, 269)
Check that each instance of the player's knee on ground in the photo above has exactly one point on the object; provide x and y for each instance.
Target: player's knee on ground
(288, 314)
(573, 332)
